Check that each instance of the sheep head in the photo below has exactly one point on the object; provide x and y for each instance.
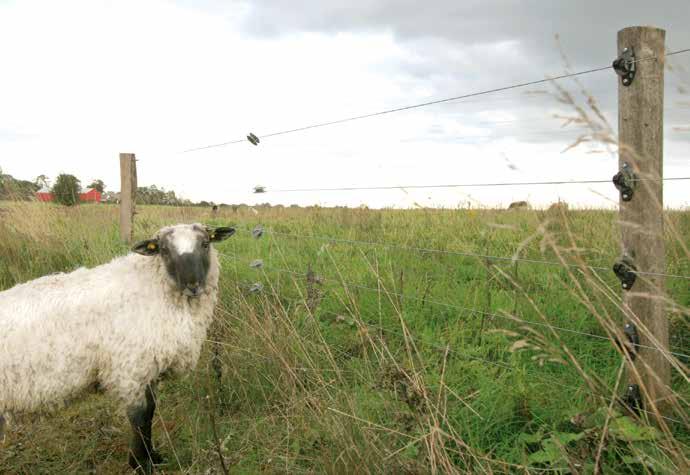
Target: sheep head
(185, 252)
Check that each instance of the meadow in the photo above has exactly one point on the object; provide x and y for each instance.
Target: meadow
(377, 341)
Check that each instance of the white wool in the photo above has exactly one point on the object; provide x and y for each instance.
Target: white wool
(184, 240)
(119, 325)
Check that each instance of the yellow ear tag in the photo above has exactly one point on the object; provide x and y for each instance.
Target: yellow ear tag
(151, 246)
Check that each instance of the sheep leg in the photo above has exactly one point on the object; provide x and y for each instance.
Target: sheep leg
(142, 455)
(217, 365)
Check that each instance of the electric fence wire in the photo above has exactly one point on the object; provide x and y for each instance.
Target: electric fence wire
(447, 347)
(457, 307)
(428, 103)
(460, 253)
(293, 273)
(461, 185)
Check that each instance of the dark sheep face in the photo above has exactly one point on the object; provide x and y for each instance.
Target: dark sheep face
(185, 252)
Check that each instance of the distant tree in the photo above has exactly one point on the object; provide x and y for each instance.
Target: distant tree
(110, 197)
(14, 189)
(97, 185)
(152, 195)
(42, 182)
(67, 189)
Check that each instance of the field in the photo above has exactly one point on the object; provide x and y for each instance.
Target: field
(358, 357)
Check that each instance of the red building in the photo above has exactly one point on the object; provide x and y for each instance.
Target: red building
(44, 196)
(90, 196)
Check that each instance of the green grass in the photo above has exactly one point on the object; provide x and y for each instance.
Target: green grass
(380, 362)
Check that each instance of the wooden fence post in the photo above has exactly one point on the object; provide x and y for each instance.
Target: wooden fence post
(128, 191)
(641, 133)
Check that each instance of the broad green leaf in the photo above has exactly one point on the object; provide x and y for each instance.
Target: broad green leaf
(550, 454)
(566, 437)
(530, 438)
(624, 428)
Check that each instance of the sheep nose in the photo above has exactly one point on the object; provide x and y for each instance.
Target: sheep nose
(193, 288)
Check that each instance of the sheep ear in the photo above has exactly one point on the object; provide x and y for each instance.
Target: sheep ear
(219, 234)
(149, 247)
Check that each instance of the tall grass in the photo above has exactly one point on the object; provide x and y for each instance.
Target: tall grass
(358, 357)
(369, 351)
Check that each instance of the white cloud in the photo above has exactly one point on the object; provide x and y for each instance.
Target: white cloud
(84, 80)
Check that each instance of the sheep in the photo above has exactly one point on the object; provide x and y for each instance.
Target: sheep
(559, 206)
(118, 327)
(520, 205)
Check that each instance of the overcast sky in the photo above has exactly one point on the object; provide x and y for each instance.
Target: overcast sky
(82, 81)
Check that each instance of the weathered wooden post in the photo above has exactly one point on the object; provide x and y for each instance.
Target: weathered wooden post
(640, 127)
(128, 192)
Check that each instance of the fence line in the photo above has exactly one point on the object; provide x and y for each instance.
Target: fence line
(448, 305)
(447, 346)
(644, 103)
(428, 103)
(464, 185)
(399, 109)
(457, 253)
